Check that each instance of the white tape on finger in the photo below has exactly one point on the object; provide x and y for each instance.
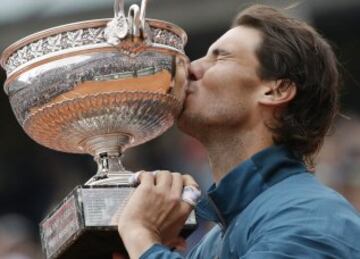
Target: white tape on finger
(191, 195)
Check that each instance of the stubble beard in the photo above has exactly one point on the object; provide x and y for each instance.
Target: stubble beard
(196, 125)
(191, 124)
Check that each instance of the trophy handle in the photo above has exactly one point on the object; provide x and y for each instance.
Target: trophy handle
(134, 20)
(137, 19)
(118, 28)
(143, 16)
(119, 8)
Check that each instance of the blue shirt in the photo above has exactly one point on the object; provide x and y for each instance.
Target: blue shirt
(270, 206)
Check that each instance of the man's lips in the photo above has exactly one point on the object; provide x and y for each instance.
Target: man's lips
(189, 89)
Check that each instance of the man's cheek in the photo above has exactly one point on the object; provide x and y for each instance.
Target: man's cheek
(214, 83)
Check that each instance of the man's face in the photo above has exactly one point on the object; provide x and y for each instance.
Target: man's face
(222, 90)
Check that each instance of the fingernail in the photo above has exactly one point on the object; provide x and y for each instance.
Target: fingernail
(134, 179)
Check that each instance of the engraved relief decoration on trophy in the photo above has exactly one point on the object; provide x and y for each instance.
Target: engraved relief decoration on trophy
(133, 33)
(80, 38)
(117, 28)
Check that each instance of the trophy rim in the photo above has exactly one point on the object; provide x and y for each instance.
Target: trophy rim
(78, 26)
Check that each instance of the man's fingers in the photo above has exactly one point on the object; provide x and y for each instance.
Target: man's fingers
(146, 178)
(163, 179)
(189, 180)
(177, 184)
(173, 184)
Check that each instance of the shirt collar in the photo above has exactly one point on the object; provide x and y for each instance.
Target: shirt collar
(245, 182)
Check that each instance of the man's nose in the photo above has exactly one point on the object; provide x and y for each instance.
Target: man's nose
(196, 70)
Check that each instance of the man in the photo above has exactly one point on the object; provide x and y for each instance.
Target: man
(261, 102)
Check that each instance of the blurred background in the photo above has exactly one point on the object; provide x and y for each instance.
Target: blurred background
(33, 179)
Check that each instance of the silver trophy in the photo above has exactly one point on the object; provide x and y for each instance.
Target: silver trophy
(97, 87)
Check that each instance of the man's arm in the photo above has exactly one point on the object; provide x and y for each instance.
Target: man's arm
(304, 243)
(155, 215)
(158, 251)
(143, 246)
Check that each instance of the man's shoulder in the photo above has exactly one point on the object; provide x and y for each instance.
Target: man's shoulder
(301, 205)
(302, 191)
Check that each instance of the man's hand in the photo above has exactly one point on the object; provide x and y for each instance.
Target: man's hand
(155, 213)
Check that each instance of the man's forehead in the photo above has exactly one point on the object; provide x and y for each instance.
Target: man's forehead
(238, 39)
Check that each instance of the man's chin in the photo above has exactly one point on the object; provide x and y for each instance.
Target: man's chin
(187, 122)
(183, 121)
(184, 113)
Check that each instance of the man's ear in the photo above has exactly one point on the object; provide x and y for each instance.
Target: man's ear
(277, 93)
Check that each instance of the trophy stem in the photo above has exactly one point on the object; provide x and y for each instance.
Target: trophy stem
(107, 150)
(109, 164)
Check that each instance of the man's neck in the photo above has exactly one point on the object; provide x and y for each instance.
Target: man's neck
(228, 148)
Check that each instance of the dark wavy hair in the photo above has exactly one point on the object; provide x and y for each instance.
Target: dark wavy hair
(294, 53)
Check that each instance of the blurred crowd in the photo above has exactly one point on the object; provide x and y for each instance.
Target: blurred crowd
(16, 238)
(339, 160)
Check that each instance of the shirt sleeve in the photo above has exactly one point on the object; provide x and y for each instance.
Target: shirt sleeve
(158, 251)
(315, 226)
(296, 246)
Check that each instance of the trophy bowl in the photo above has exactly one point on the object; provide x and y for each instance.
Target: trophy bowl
(74, 89)
(96, 87)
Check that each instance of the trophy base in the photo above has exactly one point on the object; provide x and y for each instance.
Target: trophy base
(82, 225)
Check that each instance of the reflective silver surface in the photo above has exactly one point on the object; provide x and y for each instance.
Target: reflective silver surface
(62, 104)
(98, 86)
